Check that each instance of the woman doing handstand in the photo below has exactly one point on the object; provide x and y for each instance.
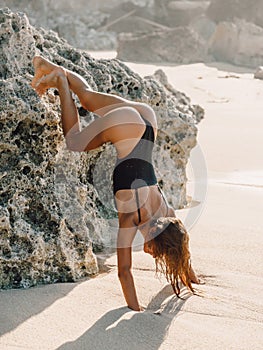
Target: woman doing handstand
(132, 128)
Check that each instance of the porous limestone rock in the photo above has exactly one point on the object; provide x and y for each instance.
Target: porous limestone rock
(56, 206)
(177, 45)
(238, 42)
(74, 21)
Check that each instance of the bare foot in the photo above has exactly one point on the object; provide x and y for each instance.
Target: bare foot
(49, 81)
(42, 67)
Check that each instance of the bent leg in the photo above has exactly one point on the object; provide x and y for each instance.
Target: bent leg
(93, 101)
(90, 137)
(78, 140)
(69, 113)
(89, 99)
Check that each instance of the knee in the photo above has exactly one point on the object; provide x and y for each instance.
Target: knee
(85, 98)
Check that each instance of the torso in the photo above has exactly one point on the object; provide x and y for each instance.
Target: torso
(152, 205)
(151, 202)
(125, 136)
(135, 170)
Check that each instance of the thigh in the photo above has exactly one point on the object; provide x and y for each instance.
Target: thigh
(121, 123)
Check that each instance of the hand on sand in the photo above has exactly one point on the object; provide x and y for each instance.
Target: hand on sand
(193, 277)
(141, 308)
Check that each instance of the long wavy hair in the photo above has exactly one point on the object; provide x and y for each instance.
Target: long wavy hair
(170, 247)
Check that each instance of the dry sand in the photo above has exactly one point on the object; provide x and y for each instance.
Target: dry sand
(226, 245)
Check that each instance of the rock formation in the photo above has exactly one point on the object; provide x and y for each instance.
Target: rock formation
(72, 20)
(56, 205)
(162, 46)
(78, 22)
(157, 30)
(225, 10)
(238, 42)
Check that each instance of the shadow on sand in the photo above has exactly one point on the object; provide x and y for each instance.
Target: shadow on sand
(136, 330)
(22, 304)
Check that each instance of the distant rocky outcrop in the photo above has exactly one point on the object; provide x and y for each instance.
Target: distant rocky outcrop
(56, 206)
(192, 31)
(181, 13)
(74, 21)
(153, 31)
(79, 22)
(238, 42)
(162, 46)
(225, 10)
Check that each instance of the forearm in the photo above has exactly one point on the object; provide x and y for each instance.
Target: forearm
(129, 291)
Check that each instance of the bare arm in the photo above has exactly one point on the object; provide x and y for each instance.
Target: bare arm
(126, 278)
(124, 254)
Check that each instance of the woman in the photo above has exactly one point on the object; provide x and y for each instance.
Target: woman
(132, 128)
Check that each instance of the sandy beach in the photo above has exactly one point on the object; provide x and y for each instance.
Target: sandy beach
(226, 245)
